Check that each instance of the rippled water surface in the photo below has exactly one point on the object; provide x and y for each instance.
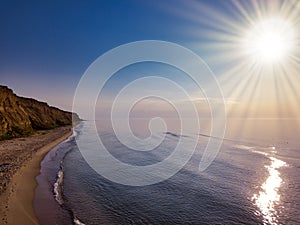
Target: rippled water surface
(252, 181)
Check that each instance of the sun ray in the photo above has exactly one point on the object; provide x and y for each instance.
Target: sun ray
(257, 45)
(274, 43)
(273, 64)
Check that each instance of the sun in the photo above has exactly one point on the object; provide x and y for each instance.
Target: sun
(269, 41)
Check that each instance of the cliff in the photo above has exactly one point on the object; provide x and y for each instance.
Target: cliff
(21, 116)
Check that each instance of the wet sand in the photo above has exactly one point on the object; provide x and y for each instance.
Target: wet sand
(19, 165)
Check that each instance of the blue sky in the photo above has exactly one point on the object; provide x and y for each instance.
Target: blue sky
(46, 46)
(50, 44)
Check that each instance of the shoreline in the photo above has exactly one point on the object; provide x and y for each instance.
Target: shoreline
(17, 200)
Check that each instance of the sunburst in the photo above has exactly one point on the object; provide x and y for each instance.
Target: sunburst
(270, 41)
(254, 47)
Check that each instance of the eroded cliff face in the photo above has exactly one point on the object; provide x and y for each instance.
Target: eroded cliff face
(21, 116)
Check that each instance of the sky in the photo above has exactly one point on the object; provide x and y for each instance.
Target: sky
(46, 46)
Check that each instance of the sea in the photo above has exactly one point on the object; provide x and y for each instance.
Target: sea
(254, 178)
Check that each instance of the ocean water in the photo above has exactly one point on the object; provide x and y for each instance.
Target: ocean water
(253, 180)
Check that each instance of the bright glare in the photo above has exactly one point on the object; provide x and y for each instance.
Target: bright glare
(269, 197)
(270, 41)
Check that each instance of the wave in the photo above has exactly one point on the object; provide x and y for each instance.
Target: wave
(58, 193)
(77, 221)
(269, 151)
(58, 185)
(74, 134)
(243, 147)
(174, 135)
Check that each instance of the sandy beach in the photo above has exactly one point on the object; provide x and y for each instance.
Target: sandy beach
(19, 165)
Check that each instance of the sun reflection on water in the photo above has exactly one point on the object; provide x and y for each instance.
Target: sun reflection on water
(269, 197)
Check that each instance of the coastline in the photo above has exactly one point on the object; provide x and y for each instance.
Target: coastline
(16, 205)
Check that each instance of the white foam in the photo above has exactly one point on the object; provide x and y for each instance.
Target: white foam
(57, 187)
(78, 222)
